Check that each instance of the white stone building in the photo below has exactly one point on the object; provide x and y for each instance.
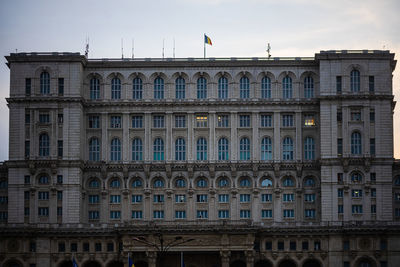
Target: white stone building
(234, 162)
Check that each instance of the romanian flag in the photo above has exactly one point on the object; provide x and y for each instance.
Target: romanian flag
(74, 264)
(207, 40)
(130, 261)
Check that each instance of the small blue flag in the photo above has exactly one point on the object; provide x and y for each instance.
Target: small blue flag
(74, 264)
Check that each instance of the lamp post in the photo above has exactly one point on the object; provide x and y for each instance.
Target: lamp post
(161, 246)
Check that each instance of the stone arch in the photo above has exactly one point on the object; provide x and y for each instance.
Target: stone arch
(176, 75)
(13, 263)
(311, 263)
(137, 75)
(263, 263)
(238, 263)
(199, 74)
(159, 74)
(365, 261)
(91, 263)
(263, 74)
(287, 263)
(287, 73)
(223, 74)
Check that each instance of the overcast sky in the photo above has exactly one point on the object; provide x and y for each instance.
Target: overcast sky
(238, 28)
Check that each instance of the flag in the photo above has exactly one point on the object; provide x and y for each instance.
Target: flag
(207, 40)
(130, 261)
(74, 264)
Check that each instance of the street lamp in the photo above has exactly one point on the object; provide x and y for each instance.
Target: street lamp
(162, 247)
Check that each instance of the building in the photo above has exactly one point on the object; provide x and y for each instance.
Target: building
(234, 162)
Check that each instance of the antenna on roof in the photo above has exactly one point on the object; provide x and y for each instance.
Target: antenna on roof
(173, 53)
(87, 47)
(133, 48)
(268, 50)
(163, 48)
(122, 47)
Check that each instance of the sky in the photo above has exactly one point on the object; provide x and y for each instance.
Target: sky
(238, 28)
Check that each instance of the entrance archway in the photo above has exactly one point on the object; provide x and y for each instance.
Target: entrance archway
(263, 263)
(91, 264)
(287, 263)
(12, 263)
(115, 264)
(65, 264)
(238, 263)
(311, 263)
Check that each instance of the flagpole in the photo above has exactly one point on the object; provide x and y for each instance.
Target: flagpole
(204, 42)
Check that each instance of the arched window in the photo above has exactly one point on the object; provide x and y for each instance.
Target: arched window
(266, 149)
(94, 183)
(159, 88)
(223, 149)
(287, 87)
(158, 149)
(355, 81)
(158, 183)
(115, 88)
(43, 179)
(137, 183)
(137, 87)
(244, 149)
(94, 88)
(244, 87)
(94, 149)
(222, 88)
(180, 149)
(245, 182)
(287, 148)
(201, 149)
(201, 88)
(137, 149)
(45, 83)
(309, 182)
(267, 182)
(115, 183)
(180, 88)
(44, 145)
(356, 177)
(309, 149)
(266, 87)
(180, 183)
(356, 143)
(308, 87)
(223, 182)
(115, 149)
(202, 183)
(287, 182)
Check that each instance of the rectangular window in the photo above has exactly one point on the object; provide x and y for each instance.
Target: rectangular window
(32, 246)
(27, 148)
(266, 120)
(97, 247)
(304, 245)
(372, 176)
(60, 118)
(3, 199)
(115, 214)
(27, 179)
(356, 209)
(180, 198)
(94, 199)
(317, 245)
(372, 146)
(244, 214)
(60, 148)
(268, 245)
(201, 121)
(397, 197)
(158, 121)
(223, 198)
(44, 118)
(383, 245)
(309, 213)
(309, 198)
(201, 198)
(371, 83)
(340, 209)
(110, 247)
(356, 193)
(115, 199)
(340, 192)
(266, 197)
(94, 215)
(137, 214)
(74, 247)
(293, 245)
(223, 121)
(340, 146)
(59, 179)
(373, 209)
(61, 247)
(287, 120)
(372, 116)
(355, 115)
(244, 121)
(27, 118)
(339, 84)
(94, 122)
(158, 214)
(116, 122)
(180, 214)
(137, 122)
(202, 214)
(340, 177)
(26, 195)
(288, 197)
(373, 193)
(158, 198)
(288, 213)
(86, 247)
(59, 195)
(43, 195)
(281, 245)
(309, 120)
(43, 211)
(223, 214)
(339, 116)
(28, 86)
(137, 198)
(180, 121)
(266, 214)
(244, 198)
(60, 86)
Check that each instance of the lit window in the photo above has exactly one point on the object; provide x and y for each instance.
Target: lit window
(244, 87)
(201, 121)
(356, 193)
(180, 88)
(309, 120)
(115, 88)
(223, 121)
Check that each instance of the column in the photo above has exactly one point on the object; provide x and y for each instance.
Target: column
(147, 136)
(151, 258)
(225, 258)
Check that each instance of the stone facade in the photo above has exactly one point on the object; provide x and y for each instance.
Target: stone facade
(234, 162)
